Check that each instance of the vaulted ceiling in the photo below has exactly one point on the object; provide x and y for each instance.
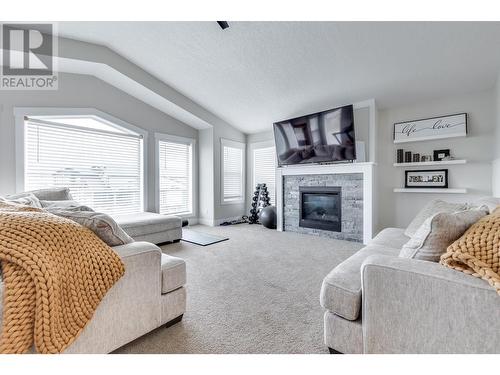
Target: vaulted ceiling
(255, 73)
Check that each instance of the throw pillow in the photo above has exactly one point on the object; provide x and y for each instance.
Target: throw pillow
(50, 194)
(438, 232)
(101, 224)
(430, 209)
(27, 200)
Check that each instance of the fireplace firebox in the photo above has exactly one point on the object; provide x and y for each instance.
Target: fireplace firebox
(320, 208)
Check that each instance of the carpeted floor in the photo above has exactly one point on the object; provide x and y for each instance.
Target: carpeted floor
(258, 292)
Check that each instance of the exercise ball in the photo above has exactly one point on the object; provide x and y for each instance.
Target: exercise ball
(268, 217)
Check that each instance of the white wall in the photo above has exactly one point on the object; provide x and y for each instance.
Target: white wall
(206, 176)
(397, 209)
(84, 91)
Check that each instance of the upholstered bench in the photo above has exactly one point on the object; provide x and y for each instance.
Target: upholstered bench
(151, 227)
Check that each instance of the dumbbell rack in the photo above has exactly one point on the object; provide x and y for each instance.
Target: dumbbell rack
(260, 200)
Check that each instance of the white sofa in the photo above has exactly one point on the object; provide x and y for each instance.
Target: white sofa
(377, 302)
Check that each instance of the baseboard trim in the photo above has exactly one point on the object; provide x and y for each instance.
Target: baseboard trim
(215, 222)
(208, 222)
(192, 220)
(220, 221)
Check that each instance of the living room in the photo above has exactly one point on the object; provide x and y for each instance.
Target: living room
(249, 187)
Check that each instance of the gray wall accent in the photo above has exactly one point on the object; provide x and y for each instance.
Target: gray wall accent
(352, 204)
(84, 91)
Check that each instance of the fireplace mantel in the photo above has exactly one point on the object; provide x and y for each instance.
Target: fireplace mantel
(367, 169)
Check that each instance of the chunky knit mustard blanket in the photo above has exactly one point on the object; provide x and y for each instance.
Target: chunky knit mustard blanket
(55, 274)
(477, 252)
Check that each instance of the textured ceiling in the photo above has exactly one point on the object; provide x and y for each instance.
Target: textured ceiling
(255, 73)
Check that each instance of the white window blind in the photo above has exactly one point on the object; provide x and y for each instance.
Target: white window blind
(175, 175)
(99, 162)
(264, 169)
(232, 154)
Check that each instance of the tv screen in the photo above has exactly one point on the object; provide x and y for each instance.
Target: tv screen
(322, 137)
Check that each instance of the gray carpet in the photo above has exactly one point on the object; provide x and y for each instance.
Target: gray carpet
(258, 292)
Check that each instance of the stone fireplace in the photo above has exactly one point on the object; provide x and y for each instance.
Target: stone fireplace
(334, 205)
(333, 201)
(320, 207)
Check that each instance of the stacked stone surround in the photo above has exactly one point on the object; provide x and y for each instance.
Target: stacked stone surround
(352, 204)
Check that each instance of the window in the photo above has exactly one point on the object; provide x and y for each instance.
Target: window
(232, 171)
(101, 162)
(175, 175)
(264, 169)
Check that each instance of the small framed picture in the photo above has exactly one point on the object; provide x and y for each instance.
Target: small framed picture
(440, 155)
(437, 178)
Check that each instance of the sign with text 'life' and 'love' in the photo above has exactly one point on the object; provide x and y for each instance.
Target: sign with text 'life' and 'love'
(431, 128)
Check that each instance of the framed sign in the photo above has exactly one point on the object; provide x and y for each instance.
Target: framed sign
(431, 128)
(437, 178)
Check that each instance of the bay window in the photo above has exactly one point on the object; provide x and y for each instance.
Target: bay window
(101, 162)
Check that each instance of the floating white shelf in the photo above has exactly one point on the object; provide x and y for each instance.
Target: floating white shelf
(430, 190)
(431, 163)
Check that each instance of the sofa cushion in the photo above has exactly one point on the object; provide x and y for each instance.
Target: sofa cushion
(341, 289)
(50, 194)
(431, 208)
(438, 232)
(391, 237)
(173, 273)
(143, 223)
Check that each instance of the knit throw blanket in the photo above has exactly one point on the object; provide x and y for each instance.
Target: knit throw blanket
(477, 252)
(55, 273)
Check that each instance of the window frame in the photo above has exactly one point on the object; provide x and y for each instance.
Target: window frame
(194, 170)
(21, 112)
(257, 146)
(234, 144)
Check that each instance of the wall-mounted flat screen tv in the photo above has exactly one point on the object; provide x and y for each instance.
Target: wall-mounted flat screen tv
(323, 137)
